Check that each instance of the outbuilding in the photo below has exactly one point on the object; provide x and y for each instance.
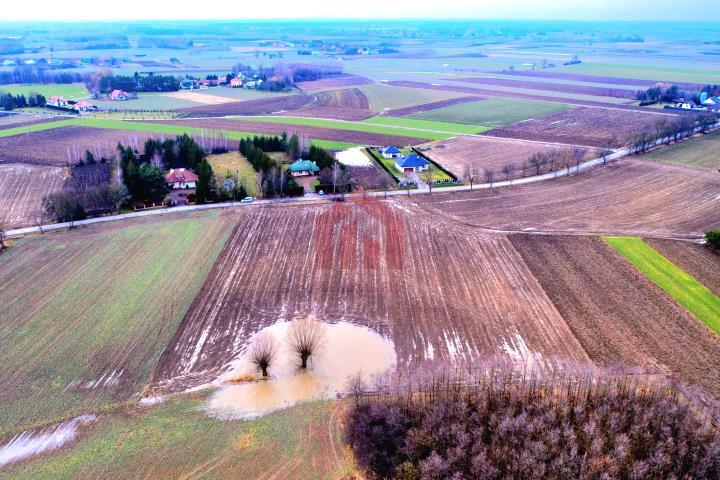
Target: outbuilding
(391, 152)
(412, 163)
(118, 95)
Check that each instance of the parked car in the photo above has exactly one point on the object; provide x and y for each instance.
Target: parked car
(247, 200)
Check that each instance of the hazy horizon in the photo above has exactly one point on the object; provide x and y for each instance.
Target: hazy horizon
(469, 10)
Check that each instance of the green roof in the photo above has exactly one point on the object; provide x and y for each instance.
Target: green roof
(303, 166)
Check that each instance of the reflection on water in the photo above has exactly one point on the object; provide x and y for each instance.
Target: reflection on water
(346, 350)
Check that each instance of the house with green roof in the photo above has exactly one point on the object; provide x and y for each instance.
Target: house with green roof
(302, 168)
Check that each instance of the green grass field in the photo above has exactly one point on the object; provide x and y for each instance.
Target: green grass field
(646, 72)
(70, 91)
(383, 96)
(176, 439)
(687, 291)
(701, 152)
(234, 163)
(160, 128)
(355, 127)
(98, 304)
(455, 128)
(493, 112)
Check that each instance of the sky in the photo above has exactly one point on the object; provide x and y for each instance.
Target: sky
(13, 10)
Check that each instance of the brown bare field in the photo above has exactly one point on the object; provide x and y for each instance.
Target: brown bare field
(698, 261)
(344, 80)
(361, 138)
(425, 107)
(487, 153)
(626, 196)
(552, 87)
(488, 92)
(23, 120)
(344, 104)
(22, 188)
(640, 84)
(584, 126)
(58, 146)
(617, 313)
(438, 290)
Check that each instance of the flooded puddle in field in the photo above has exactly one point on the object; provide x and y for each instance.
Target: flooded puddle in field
(33, 442)
(345, 350)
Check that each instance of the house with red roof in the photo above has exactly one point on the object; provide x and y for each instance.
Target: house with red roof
(57, 101)
(83, 106)
(180, 178)
(235, 82)
(119, 95)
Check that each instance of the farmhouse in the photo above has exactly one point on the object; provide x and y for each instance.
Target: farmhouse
(235, 83)
(180, 178)
(118, 95)
(391, 152)
(301, 168)
(83, 106)
(57, 101)
(411, 163)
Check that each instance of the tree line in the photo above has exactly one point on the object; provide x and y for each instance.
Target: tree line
(671, 93)
(139, 83)
(672, 129)
(8, 101)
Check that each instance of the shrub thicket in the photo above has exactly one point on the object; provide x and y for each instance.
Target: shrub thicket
(713, 238)
(563, 423)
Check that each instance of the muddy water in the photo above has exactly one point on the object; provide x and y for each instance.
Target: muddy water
(346, 350)
(33, 442)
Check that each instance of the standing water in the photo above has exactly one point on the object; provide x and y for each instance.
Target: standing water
(345, 351)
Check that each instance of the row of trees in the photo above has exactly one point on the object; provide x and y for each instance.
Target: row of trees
(674, 129)
(9, 101)
(663, 92)
(139, 83)
(29, 74)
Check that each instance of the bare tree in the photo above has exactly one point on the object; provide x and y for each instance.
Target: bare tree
(537, 160)
(489, 175)
(385, 183)
(428, 178)
(262, 352)
(578, 154)
(2, 237)
(305, 336)
(39, 217)
(508, 169)
(469, 174)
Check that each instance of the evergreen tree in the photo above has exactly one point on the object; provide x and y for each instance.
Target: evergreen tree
(204, 190)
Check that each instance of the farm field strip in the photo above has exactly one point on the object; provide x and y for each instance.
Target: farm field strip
(701, 152)
(687, 291)
(382, 125)
(554, 87)
(22, 188)
(686, 76)
(85, 314)
(699, 261)
(72, 91)
(457, 293)
(624, 197)
(150, 127)
(617, 313)
(570, 94)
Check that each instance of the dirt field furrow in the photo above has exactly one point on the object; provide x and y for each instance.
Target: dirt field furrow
(618, 314)
(625, 197)
(438, 291)
(22, 188)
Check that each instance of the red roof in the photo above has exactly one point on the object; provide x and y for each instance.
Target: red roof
(180, 175)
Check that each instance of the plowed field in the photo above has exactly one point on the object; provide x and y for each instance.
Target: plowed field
(439, 291)
(22, 188)
(617, 313)
(698, 261)
(626, 196)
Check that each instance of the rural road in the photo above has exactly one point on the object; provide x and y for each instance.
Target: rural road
(212, 206)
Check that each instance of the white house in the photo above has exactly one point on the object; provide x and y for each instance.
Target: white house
(391, 152)
(411, 163)
(179, 178)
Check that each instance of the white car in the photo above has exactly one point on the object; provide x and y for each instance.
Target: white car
(247, 200)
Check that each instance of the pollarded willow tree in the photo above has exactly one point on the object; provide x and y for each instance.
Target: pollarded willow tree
(262, 352)
(305, 337)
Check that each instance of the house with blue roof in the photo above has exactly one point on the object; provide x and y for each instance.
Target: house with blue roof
(391, 152)
(303, 168)
(411, 163)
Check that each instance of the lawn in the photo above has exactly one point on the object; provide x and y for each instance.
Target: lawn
(687, 291)
(176, 439)
(702, 152)
(355, 127)
(160, 128)
(71, 91)
(235, 164)
(493, 112)
(85, 315)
